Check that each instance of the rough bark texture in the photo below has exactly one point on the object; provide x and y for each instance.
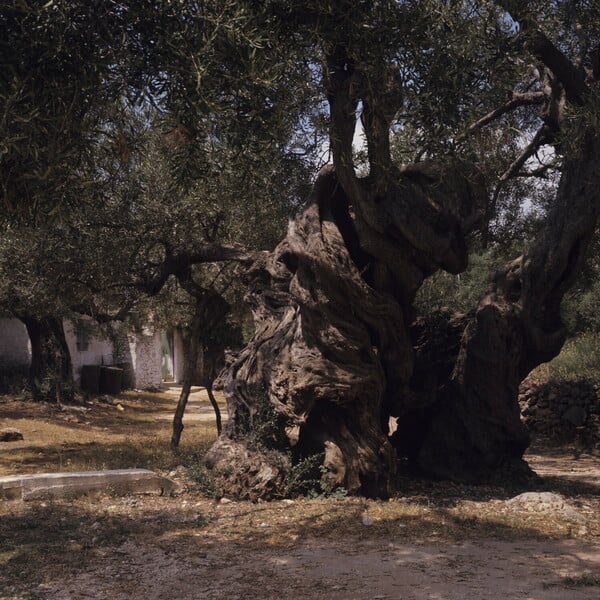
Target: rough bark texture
(336, 351)
(51, 371)
(473, 429)
(332, 357)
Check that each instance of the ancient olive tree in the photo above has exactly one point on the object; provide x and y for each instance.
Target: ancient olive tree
(337, 352)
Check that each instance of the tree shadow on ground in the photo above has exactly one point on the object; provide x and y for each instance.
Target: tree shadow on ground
(49, 542)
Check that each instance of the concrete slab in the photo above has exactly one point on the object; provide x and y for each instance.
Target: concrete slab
(62, 485)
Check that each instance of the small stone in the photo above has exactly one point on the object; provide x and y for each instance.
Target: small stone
(10, 434)
(120, 407)
(366, 520)
(224, 501)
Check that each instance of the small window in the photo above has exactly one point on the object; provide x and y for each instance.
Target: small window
(82, 339)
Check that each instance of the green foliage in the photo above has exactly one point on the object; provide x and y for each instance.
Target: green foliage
(457, 292)
(13, 379)
(578, 359)
(304, 478)
(57, 69)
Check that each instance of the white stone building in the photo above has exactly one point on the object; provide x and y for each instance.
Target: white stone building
(151, 361)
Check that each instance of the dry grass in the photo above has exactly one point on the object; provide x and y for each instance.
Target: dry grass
(98, 437)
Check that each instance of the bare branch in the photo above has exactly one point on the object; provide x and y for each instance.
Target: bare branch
(541, 172)
(517, 100)
(539, 139)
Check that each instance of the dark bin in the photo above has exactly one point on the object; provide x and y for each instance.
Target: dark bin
(127, 381)
(110, 380)
(90, 378)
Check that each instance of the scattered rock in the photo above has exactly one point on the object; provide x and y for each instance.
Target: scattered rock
(547, 502)
(571, 514)
(561, 410)
(366, 520)
(120, 407)
(10, 434)
(538, 501)
(224, 501)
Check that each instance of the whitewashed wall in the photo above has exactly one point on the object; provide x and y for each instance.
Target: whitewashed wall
(98, 352)
(145, 358)
(144, 351)
(15, 348)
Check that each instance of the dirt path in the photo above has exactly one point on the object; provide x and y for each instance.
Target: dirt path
(321, 569)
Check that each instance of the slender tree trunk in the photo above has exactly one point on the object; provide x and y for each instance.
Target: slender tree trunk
(213, 401)
(51, 371)
(189, 372)
(209, 310)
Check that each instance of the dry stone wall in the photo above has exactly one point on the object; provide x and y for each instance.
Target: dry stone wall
(562, 410)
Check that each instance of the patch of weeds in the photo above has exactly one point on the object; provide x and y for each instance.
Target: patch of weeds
(202, 520)
(584, 580)
(578, 359)
(208, 481)
(305, 478)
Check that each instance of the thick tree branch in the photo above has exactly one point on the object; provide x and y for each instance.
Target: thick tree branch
(539, 139)
(382, 98)
(571, 78)
(177, 261)
(103, 316)
(341, 84)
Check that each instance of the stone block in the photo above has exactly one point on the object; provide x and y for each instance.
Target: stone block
(68, 485)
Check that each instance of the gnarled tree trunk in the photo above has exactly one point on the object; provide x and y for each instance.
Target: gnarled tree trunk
(332, 357)
(473, 429)
(336, 351)
(51, 371)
